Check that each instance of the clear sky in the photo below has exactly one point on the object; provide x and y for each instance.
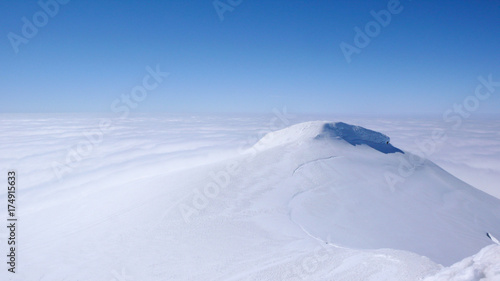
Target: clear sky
(262, 54)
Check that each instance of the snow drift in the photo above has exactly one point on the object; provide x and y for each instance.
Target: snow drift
(483, 266)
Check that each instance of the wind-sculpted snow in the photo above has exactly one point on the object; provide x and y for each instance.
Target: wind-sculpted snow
(357, 135)
(163, 197)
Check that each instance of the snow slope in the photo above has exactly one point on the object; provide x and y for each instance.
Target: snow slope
(471, 151)
(309, 202)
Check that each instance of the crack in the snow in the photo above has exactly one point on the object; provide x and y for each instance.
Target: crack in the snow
(309, 162)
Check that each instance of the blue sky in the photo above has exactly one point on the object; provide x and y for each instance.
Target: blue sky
(263, 54)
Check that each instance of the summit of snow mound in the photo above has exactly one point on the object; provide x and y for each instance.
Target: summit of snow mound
(357, 135)
(322, 130)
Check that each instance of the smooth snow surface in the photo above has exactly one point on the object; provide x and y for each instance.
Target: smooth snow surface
(169, 198)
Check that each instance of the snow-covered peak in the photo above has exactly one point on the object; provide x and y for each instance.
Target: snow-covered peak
(323, 130)
(345, 193)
